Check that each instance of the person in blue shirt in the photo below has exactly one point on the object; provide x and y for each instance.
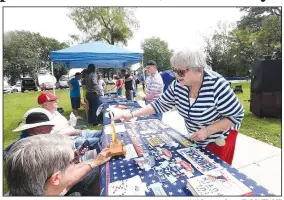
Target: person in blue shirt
(75, 94)
(167, 79)
(143, 78)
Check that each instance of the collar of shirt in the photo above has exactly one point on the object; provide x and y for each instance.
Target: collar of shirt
(24, 135)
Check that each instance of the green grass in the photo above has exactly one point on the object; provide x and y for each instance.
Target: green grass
(267, 130)
(15, 105)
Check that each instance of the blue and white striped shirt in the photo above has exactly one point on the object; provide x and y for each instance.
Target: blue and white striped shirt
(215, 101)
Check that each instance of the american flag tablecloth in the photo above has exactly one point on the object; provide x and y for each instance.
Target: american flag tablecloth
(120, 169)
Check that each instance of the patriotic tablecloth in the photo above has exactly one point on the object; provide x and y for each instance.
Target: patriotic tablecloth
(132, 105)
(113, 99)
(120, 169)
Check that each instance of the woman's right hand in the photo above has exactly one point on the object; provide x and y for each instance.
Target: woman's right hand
(123, 116)
(102, 157)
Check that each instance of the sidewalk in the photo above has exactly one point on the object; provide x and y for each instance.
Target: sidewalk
(258, 160)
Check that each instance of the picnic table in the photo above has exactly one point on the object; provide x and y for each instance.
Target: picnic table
(138, 134)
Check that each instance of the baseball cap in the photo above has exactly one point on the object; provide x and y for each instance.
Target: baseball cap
(151, 62)
(35, 117)
(45, 97)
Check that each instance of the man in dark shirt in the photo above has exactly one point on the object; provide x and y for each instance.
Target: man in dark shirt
(92, 85)
(129, 87)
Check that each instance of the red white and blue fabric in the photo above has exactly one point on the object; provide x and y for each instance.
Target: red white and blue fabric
(119, 169)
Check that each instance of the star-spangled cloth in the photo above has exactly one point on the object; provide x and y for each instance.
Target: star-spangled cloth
(119, 169)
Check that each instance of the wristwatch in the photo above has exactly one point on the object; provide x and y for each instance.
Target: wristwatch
(131, 114)
(90, 165)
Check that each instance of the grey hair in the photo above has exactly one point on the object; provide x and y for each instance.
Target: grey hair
(33, 160)
(192, 59)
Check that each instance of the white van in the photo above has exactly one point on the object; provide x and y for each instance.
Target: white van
(63, 82)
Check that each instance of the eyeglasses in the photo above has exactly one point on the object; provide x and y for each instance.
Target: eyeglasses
(52, 100)
(180, 72)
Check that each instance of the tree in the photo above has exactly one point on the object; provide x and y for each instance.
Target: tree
(219, 50)
(264, 26)
(113, 25)
(257, 33)
(156, 49)
(269, 36)
(25, 53)
(255, 15)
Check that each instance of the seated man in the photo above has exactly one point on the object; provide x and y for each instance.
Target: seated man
(48, 101)
(35, 121)
(52, 172)
(38, 121)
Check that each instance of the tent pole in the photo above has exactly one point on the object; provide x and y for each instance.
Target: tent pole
(143, 70)
(52, 77)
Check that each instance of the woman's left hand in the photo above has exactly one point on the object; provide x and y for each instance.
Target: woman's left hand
(200, 135)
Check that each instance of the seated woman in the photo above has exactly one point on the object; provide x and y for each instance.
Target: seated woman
(53, 172)
(212, 113)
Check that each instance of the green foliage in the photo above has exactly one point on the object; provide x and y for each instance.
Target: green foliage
(25, 53)
(156, 49)
(112, 24)
(255, 15)
(232, 50)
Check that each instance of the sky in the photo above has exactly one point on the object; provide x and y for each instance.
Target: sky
(180, 27)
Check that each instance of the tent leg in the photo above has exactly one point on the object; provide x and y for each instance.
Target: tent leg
(143, 69)
(52, 77)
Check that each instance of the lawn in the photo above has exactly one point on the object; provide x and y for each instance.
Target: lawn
(15, 105)
(267, 130)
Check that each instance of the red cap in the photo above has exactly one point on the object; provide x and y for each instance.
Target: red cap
(45, 97)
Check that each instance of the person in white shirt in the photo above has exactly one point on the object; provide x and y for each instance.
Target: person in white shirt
(102, 84)
(154, 85)
(48, 101)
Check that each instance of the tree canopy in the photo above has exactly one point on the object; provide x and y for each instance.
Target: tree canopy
(258, 33)
(25, 53)
(156, 49)
(114, 25)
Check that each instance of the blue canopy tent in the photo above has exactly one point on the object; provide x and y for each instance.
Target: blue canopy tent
(101, 54)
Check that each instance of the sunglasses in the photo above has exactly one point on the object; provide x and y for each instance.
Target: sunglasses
(180, 72)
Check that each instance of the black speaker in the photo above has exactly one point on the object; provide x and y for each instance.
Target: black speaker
(266, 88)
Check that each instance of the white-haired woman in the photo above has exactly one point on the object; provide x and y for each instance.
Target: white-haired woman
(43, 165)
(211, 111)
